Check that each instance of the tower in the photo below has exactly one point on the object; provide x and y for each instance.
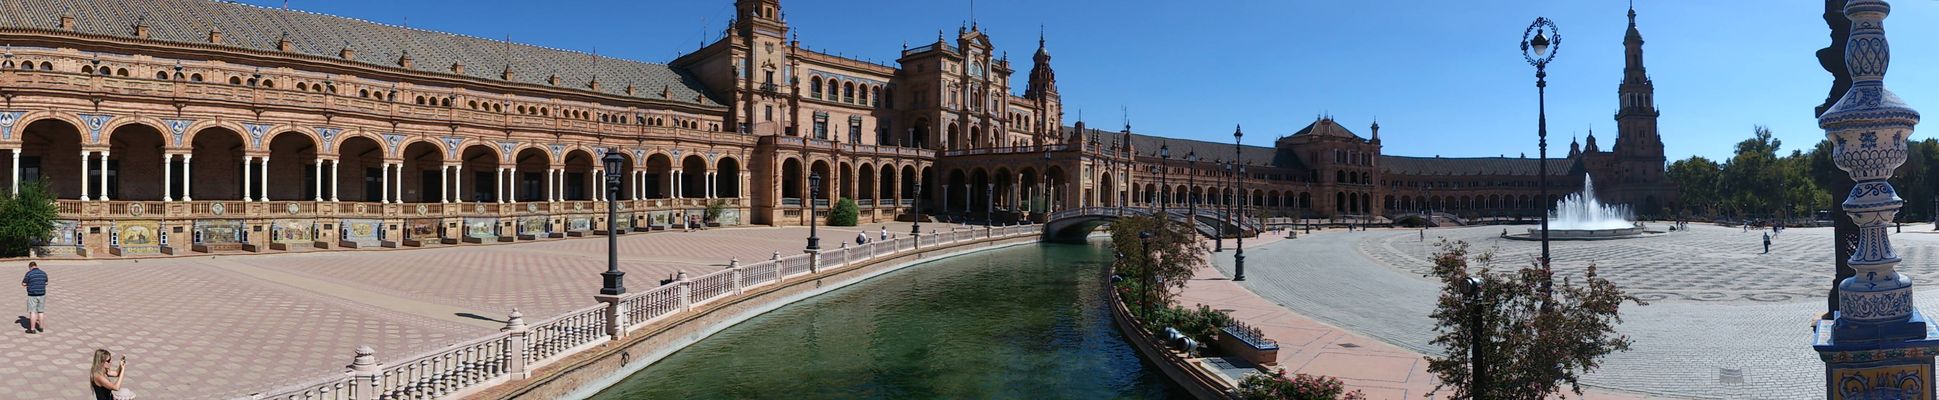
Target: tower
(1042, 91)
(1637, 144)
(763, 74)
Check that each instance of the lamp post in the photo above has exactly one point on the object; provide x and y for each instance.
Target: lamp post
(615, 281)
(1164, 173)
(1218, 240)
(814, 194)
(915, 228)
(1540, 42)
(1239, 181)
(1191, 184)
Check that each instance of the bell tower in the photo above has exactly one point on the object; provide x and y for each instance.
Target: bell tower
(1637, 140)
(763, 70)
(1042, 91)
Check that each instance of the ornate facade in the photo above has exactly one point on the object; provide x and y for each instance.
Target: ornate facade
(270, 128)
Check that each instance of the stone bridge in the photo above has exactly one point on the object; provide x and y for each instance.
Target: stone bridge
(1074, 225)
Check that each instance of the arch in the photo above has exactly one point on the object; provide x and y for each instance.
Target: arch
(814, 87)
(360, 169)
(976, 137)
(659, 176)
(825, 192)
(578, 180)
(865, 193)
(422, 176)
(885, 185)
(952, 191)
(218, 152)
(50, 151)
(478, 166)
(1107, 190)
(953, 141)
(727, 177)
(149, 123)
(292, 166)
(793, 178)
(693, 177)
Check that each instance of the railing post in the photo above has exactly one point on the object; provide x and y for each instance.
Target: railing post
(364, 373)
(686, 291)
(735, 265)
(814, 260)
(515, 345)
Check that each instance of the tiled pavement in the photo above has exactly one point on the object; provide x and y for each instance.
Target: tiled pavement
(1717, 304)
(228, 325)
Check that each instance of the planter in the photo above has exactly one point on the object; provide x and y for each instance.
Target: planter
(1257, 350)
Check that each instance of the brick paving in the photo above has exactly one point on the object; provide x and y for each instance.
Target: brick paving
(221, 326)
(1717, 304)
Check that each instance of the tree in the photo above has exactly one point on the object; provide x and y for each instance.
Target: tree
(27, 218)
(1170, 256)
(713, 211)
(1535, 341)
(1697, 179)
(844, 214)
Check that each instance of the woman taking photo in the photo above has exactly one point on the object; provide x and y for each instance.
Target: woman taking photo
(105, 377)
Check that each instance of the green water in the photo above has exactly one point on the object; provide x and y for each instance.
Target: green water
(1028, 322)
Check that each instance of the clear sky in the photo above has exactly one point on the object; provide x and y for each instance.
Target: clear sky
(1443, 77)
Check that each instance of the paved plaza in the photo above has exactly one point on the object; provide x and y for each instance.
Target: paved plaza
(228, 325)
(1718, 307)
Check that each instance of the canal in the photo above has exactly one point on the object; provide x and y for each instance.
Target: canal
(1027, 322)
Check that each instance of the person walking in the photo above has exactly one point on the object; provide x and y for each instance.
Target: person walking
(885, 232)
(104, 378)
(36, 284)
(1767, 243)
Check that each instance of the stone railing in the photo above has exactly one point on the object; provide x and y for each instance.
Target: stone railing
(519, 349)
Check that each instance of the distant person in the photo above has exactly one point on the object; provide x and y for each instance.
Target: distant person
(861, 238)
(1767, 243)
(1423, 234)
(36, 284)
(885, 232)
(105, 377)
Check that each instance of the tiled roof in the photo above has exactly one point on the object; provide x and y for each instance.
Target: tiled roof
(1147, 145)
(1471, 166)
(260, 28)
(1326, 127)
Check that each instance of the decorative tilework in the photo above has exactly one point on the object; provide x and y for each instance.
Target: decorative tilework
(391, 140)
(451, 145)
(7, 119)
(177, 128)
(256, 132)
(94, 124)
(507, 147)
(329, 136)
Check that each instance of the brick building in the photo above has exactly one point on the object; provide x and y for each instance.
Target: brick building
(219, 126)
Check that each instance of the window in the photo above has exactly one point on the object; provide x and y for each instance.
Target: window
(770, 113)
(821, 129)
(814, 87)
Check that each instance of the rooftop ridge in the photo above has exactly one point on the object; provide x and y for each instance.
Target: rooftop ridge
(453, 34)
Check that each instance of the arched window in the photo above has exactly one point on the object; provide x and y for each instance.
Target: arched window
(473, 104)
(195, 77)
(865, 94)
(848, 92)
(1340, 176)
(419, 100)
(121, 72)
(878, 96)
(87, 69)
(161, 75)
(235, 80)
(46, 66)
(814, 87)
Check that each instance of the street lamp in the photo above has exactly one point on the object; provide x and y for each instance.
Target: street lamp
(1164, 172)
(615, 281)
(1191, 184)
(814, 195)
(1540, 43)
(915, 229)
(1239, 180)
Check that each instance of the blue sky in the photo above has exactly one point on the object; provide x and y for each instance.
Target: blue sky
(1443, 77)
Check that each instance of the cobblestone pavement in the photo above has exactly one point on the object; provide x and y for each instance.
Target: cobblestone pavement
(229, 325)
(1716, 303)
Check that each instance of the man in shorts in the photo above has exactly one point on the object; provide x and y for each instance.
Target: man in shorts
(36, 284)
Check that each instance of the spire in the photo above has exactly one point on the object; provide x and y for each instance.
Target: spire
(1043, 79)
(1575, 148)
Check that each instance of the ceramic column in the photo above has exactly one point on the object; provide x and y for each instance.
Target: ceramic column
(1878, 344)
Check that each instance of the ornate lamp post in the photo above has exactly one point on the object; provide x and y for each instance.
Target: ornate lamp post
(1164, 173)
(1478, 367)
(1218, 241)
(1239, 180)
(1191, 184)
(814, 195)
(1877, 345)
(615, 281)
(915, 228)
(1540, 43)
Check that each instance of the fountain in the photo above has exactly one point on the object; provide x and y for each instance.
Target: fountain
(1581, 217)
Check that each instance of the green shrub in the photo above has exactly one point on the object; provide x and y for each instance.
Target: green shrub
(27, 218)
(1277, 386)
(714, 209)
(1201, 324)
(844, 214)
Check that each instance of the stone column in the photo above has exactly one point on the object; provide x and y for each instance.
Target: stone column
(188, 175)
(246, 161)
(676, 184)
(511, 192)
(599, 184)
(319, 181)
(498, 193)
(398, 190)
(444, 188)
(264, 177)
(383, 183)
(335, 179)
(104, 176)
(168, 177)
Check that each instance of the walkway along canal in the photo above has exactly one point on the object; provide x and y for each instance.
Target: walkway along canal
(1024, 322)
